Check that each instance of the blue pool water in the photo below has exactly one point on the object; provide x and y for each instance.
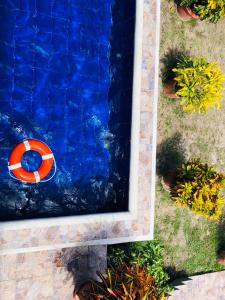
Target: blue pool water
(66, 72)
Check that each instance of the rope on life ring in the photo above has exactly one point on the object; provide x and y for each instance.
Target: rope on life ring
(15, 158)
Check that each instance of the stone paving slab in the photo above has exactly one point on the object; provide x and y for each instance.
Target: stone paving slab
(48, 275)
(209, 286)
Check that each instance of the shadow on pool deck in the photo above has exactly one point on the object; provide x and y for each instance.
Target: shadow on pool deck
(82, 263)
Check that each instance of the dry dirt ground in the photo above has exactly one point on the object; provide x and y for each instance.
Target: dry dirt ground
(191, 243)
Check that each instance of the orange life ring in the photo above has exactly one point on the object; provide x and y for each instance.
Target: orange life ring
(15, 166)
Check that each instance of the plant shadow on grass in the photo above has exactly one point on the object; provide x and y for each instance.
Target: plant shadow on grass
(169, 62)
(170, 155)
(177, 278)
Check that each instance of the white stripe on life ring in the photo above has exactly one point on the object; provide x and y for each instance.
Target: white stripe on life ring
(47, 156)
(27, 145)
(15, 166)
(37, 177)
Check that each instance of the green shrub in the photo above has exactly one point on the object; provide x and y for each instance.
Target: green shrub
(199, 83)
(198, 187)
(148, 254)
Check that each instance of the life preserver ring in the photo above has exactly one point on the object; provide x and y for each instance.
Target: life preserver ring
(15, 166)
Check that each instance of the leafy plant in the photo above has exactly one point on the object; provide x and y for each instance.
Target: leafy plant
(198, 187)
(211, 10)
(125, 283)
(199, 83)
(187, 3)
(148, 254)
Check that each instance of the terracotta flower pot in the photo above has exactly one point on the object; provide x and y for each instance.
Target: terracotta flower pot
(186, 13)
(169, 89)
(168, 180)
(83, 291)
(221, 258)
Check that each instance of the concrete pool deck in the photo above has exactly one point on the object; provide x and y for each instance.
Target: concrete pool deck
(33, 249)
(207, 286)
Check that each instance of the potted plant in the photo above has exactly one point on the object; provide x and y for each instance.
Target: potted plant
(169, 89)
(198, 186)
(185, 10)
(211, 10)
(167, 180)
(198, 84)
(126, 283)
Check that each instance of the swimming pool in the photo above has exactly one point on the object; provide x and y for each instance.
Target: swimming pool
(66, 79)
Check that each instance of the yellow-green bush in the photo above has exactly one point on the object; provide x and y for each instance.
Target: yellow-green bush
(198, 187)
(199, 83)
(212, 10)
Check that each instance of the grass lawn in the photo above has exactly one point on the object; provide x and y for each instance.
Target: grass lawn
(191, 243)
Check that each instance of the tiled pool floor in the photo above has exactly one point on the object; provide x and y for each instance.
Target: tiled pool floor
(66, 70)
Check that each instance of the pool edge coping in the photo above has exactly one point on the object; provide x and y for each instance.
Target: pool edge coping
(133, 190)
